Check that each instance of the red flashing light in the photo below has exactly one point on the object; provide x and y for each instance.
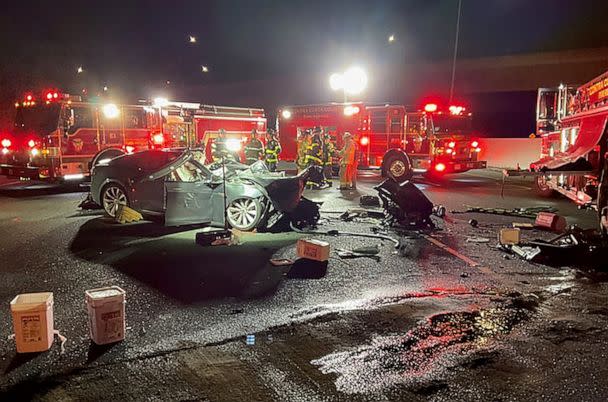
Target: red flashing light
(440, 167)
(55, 95)
(451, 144)
(430, 107)
(456, 110)
(449, 151)
(474, 144)
(158, 139)
(6, 143)
(49, 96)
(364, 141)
(31, 143)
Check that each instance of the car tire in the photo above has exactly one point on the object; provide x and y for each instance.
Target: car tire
(244, 214)
(541, 188)
(113, 195)
(398, 168)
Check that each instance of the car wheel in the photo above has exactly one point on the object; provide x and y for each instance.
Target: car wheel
(112, 196)
(398, 168)
(244, 213)
(542, 188)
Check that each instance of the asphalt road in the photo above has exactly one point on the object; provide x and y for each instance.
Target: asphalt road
(420, 324)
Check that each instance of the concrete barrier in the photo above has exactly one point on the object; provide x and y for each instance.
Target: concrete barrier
(508, 152)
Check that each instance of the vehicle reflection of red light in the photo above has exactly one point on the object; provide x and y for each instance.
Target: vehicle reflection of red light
(440, 167)
(129, 149)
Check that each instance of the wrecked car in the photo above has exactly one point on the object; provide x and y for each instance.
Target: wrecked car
(177, 185)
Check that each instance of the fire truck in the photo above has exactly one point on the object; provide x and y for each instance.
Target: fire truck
(571, 122)
(432, 140)
(58, 136)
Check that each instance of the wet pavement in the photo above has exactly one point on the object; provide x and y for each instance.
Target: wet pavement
(419, 324)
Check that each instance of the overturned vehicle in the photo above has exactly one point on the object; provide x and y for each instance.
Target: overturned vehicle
(177, 186)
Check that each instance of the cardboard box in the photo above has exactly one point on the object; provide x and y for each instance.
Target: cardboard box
(313, 249)
(509, 236)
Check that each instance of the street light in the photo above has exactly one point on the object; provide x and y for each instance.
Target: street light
(352, 82)
(192, 39)
(79, 69)
(205, 69)
(391, 38)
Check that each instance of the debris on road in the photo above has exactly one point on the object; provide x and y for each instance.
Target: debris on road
(550, 221)
(87, 203)
(405, 204)
(369, 252)
(125, 214)
(527, 212)
(369, 201)
(509, 236)
(478, 240)
(523, 225)
(220, 237)
(313, 249)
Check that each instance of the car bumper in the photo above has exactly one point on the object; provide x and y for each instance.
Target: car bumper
(463, 166)
(20, 171)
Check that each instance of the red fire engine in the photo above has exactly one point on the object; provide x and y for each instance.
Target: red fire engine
(58, 136)
(434, 140)
(571, 122)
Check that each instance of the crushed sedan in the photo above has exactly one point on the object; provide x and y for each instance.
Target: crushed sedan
(179, 187)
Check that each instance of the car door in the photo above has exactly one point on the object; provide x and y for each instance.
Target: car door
(188, 191)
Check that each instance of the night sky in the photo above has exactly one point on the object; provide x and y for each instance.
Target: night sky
(135, 47)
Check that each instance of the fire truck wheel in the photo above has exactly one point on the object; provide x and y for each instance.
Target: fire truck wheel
(398, 168)
(244, 214)
(112, 196)
(542, 188)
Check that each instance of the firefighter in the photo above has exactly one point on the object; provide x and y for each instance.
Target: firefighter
(254, 149)
(348, 168)
(273, 150)
(303, 142)
(328, 153)
(218, 147)
(314, 154)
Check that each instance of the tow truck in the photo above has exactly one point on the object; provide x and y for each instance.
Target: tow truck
(571, 122)
(431, 140)
(58, 136)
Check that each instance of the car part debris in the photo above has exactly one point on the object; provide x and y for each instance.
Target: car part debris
(214, 237)
(405, 204)
(348, 254)
(523, 225)
(478, 240)
(509, 236)
(439, 211)
(528, 212)
(340, 233)
(125, 214)
(473, 222)
(88, 204)
(526, 252)
(369, 201)
(550, 221)
(313, 249)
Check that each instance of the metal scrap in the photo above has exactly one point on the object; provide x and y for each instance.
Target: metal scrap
(526, 212)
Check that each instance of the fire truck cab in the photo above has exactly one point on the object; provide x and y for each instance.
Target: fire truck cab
(389, 137)
(59, 136)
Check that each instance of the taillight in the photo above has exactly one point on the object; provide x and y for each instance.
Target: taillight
(440, 167)
(6, 143)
